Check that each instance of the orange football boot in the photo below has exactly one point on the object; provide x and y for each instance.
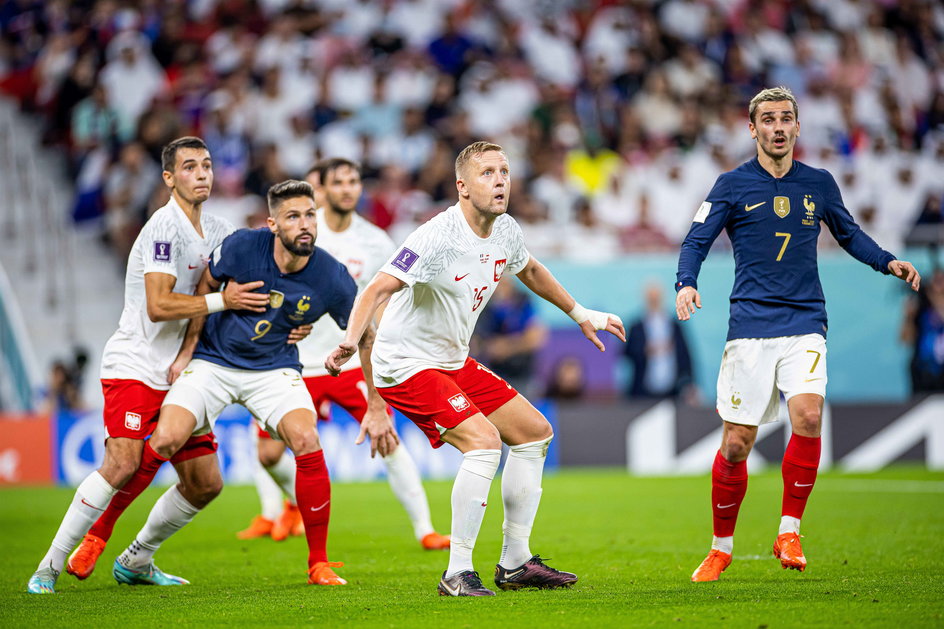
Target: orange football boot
(284, 525)
(435, 541)
(711, 568)
(82, 562)
(322, 574)
(788, 550)
(259, 527)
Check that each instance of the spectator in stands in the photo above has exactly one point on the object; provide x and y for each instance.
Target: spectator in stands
(659, 355)
(923, 330)
(568, 380)
(509, 334)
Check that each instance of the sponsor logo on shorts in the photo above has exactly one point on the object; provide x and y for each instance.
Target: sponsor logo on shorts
(132, 421)
(405, 259)
(500, 268)
(735, 401)
(161, 251)
(458, 402)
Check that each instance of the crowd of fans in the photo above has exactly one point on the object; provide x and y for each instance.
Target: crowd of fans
(616, 115)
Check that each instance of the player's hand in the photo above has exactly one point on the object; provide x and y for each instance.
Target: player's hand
(905, 271)
(299, 333)
(242, 296)
(686, 300)
(602, 321)
(177, 367)
(341, 354)
(379, 427)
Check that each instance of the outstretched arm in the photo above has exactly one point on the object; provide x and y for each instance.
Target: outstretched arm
(362, 314)
(163, 304)
(543, 284)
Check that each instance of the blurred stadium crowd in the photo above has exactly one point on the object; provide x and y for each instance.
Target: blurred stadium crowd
(616, 115)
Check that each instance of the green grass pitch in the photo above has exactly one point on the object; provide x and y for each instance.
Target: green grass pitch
(874, 543)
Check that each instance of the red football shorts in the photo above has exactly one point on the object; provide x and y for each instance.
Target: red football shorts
(349, 391)
(436, 397)
(132, 409)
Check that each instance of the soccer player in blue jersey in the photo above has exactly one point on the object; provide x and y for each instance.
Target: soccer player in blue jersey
(244, 357)
(771, 207)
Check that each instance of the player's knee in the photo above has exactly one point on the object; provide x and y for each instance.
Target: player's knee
(303, 442)
(487, 438)
(268, 459)
(119, 471)
(808, 421)
(736, 448)
(202, 492)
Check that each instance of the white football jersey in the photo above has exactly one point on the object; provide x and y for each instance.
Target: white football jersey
(363, 248)
(142, 349)
(450, 274)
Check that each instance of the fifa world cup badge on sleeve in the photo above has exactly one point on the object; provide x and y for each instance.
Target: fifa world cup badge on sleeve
(405, 259)
(161, 251)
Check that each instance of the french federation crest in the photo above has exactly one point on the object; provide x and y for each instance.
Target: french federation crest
(276, 298)
(782, 206)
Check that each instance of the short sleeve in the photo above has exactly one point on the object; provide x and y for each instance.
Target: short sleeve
(225, 262)
(420, 258)
(518, 254)
(161, 248)
(346, 290)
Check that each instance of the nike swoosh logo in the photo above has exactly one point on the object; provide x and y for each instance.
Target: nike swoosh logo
(748, 208)
(812, 379)
(191, 267)
(452, 592)
(726, 506)
(796, 484)
(322, 506)
(461, 277)
(88, 505)
(484, 504)
(514, 573)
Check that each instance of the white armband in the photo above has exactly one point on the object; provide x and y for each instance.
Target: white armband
(597, 319)
(214, 302)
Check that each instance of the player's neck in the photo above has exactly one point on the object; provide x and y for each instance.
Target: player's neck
(287, 261)
(480, 222)
(337, 221)
(192, 210)
(776, 167)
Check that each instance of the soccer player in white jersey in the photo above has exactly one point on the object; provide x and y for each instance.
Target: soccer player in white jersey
(140, 361)
(437, 284)
(363, 248)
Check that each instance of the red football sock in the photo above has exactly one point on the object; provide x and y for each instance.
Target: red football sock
(313, 493)
(151, 461)
(728, 486)
(800, 462)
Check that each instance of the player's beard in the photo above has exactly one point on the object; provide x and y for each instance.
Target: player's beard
(298, 248)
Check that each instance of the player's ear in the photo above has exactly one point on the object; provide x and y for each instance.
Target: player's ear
(750, 125)
(462, 189)
(270, 221)
(168, 178)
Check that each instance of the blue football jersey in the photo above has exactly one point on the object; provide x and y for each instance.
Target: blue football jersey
(773, 225)
(243, 339)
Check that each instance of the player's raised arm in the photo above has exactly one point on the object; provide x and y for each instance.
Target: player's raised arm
(362, 314)
(543, 284)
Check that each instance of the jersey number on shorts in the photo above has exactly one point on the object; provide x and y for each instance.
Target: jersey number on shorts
(477, 296)
(786, 241)
(262, 328)
(815, 360)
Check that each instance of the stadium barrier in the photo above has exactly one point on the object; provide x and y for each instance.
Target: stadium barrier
(79, 445)
(663, 438)
(26, 453)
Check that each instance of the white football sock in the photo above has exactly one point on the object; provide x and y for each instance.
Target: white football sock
(724, 544)
(170, 513)
(789, 524)
(283, 473)
(91, 499)
(270, 494)
(469, 499)
(521, 495)
(404, 479)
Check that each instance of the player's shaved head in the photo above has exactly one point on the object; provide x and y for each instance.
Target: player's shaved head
(289, 189)
(471, 151)
(773, 95)
(169, 152)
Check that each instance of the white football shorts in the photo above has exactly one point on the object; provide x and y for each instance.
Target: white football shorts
(205, 389)
(755, 371)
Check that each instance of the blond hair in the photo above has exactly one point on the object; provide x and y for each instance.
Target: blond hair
(476, 148)
(773, 95)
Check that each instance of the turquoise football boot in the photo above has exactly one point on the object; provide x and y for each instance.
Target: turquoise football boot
(151, 576)
(43, 581)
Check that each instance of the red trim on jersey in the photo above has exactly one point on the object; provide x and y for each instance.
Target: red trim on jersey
(447, 398)
(132, 409)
